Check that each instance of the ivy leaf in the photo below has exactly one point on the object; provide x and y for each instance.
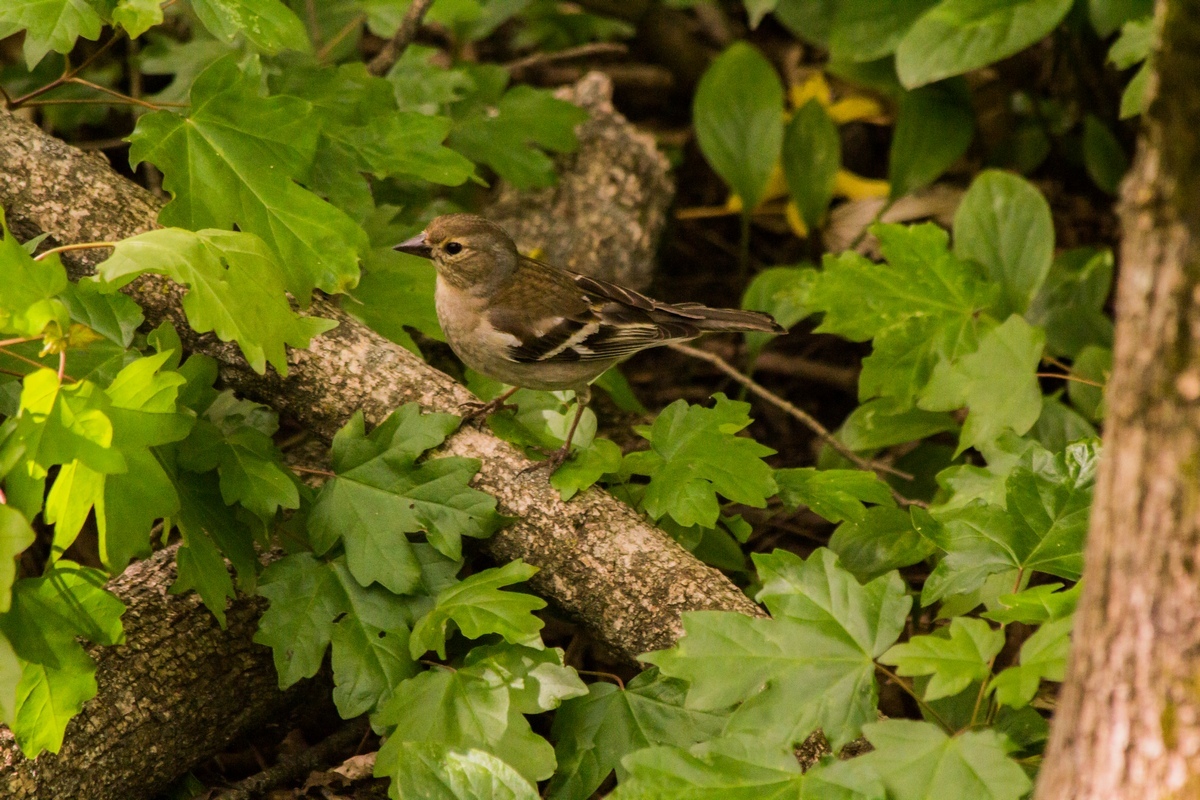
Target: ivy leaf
(835, 494)
(433, 771)
(781, 292)
(934, 127)
(1036, 605)
(137, 16)
(695, 455)
(1070, 304)
(50, 24)
(883, 539)
(815, 658)
(57, 676)
(916, 760)
(460, 710)
(505, 129)
(269, 24)
(236, 289)
(380, 495)
(478, 607)
(28, 304)
(957, 36)
(954, 661)
(812, 156)
(739, 768)
(1004, 224)
(738, 114)
(306, 597)
(1043, 657)
(114, 316)
(246, 152)
(595, 732)
(922, 307)
(15, 536)
(1008, 354)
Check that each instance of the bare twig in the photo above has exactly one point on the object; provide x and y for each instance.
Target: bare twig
(582, 51)
(68, 74)
(807, 419)
(404, 36)
(291, 769)
(77, 246)
(335, 40)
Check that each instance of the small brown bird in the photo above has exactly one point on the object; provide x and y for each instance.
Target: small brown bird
(535, 326)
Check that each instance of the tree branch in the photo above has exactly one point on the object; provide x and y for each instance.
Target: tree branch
(409, 26)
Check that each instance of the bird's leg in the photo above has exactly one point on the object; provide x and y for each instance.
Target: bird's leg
(485, 410)
(556, 458)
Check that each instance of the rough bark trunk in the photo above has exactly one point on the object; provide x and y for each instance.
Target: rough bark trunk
(601, 564)
(164, 696)
(1127, 725)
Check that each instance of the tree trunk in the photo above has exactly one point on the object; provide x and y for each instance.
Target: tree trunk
(178, 689)
(1127, 725)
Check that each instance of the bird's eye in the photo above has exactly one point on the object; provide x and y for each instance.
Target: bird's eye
(453, 248)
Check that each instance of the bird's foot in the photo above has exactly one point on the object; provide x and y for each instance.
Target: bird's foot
(473, 411)
(554, 459)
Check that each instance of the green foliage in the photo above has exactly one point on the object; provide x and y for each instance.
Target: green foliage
(812, 155)
(934, 127)
(954, 661)
(738, 123)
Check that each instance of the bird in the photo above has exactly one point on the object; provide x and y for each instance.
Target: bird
(533, 325)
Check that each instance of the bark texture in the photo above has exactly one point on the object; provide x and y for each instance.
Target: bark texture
(601, 564)
(164, 696)
(1127, 725)
(604, 216)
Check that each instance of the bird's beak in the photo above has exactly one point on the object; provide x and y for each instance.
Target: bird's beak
(416, 246)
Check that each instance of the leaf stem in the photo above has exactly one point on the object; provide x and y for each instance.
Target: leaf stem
(32, 363)
(336, 39)
(68, 74)
(924, 704)
(744, 246)
(3, 498)
(62, 364)
(1070, 377)
(312, 471)
(18, 340)
(807, 419)
(69, 247)
(598, 674)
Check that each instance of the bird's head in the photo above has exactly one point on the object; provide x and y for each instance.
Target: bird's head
(468, 251)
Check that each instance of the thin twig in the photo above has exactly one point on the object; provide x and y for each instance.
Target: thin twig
(32, 363)
(299, 765)
(18, 340)
(62, 364)
(77, 246)
(311, 471)
(582, 51)
(1070, 377)
(391, 52)
(96, 101)
(119, 95)
(809, 421)
(598, 674)
(920, 701)
(69, 72)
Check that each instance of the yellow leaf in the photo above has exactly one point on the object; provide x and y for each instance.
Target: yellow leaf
(856, 187)
(792, 214)
(816, 86)
(855, 107)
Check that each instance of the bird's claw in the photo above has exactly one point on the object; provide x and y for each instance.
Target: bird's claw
(481, 411)
(554, 460)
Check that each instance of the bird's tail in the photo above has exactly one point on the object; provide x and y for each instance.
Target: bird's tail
(727, 319)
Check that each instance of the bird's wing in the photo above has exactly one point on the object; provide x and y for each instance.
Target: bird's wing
(589, 319)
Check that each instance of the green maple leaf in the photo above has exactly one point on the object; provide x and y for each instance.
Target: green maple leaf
(1043, 657)
(51, 24)
(507, 130)
(57, 676)
(306, 597)
(380, 496)
(1042, 527)
(883, 539)
(15, 536)
(695, 455)
(236, 288)
(595, 732)
(433, 771)
(1037, 605)
(917, 760)
(835, 494)
(1007, 355)
(954, 661)
(460, 709)
(28, 304)
(269, 24)
(740, 768)
(114, 316)
(922, 306)
(478, 607)
(235, 160)
(137, 16)
(814, 658)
